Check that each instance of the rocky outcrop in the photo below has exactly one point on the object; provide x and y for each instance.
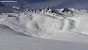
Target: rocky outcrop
(2, 5)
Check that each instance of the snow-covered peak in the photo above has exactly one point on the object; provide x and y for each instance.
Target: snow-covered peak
(67, 27)
(43, 22)
(10, 9)
(47, 10)
(64, 11)
(17, 7)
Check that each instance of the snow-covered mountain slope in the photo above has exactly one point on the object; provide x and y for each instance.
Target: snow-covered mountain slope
(47, 22)
(16, 42)
(67, 24)
(12, 40)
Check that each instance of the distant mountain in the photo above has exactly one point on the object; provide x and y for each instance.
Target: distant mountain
(38, 4)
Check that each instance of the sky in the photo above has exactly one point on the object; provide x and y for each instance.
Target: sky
(55, 4)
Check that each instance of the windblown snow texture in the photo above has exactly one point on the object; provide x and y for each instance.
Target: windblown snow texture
(67, 27)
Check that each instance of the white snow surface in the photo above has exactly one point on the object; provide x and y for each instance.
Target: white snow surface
(24, 30)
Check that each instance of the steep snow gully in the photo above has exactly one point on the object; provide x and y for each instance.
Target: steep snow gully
(66, 24)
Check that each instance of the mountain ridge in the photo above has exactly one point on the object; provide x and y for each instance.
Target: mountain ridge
(46, 23)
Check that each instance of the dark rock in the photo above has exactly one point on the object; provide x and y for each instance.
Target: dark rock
(2, 5)
(65, 10)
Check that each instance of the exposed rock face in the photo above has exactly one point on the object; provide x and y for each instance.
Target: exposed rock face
(1, 5)
(47, 9)
(65, 10)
